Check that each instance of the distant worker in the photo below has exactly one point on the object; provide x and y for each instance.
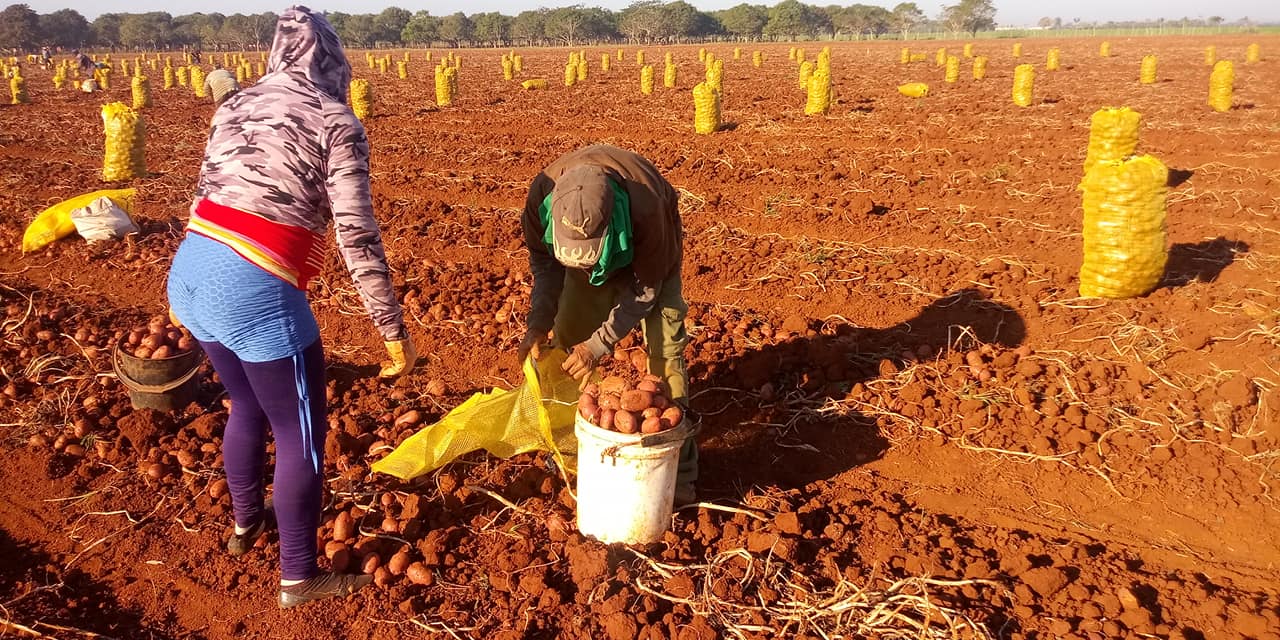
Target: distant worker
(605, 245)
(221, 84)
(84, 63)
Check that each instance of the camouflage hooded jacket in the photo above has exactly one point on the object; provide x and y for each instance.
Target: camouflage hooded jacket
(290, 151)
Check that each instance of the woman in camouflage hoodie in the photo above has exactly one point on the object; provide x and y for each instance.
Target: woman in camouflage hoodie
(284, 157)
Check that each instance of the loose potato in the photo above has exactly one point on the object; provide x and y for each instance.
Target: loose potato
(586, 401)
(636, 400)
(651, 425)
(332, 548)
(592, 390)
(419, 574)
(343, 527)
(652, 412)
(157, 324)
(161, 352)
(186, 344)
(172, 336)
(614, 385)
(135, 337)
(370, 563)
(142, 352)
(660, 402)
(610, 401)
(625, 422)
(673, 415)
(399, 562)
(153, 341)
(648, 385)
(590, 413)
(606, 419)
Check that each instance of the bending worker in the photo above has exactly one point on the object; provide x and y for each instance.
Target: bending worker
(285, 158)
(605, 246)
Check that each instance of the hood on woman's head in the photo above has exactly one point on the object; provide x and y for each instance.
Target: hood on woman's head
(306, 42)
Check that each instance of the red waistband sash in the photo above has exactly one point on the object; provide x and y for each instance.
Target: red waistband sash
(293, 254)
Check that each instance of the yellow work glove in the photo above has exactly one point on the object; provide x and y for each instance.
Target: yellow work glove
(403, 357)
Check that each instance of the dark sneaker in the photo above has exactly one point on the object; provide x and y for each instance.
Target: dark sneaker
(686, 494)
(239, 544)
(320, 586)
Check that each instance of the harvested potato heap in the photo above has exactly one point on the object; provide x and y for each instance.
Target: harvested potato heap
(618, 405)
(158, 339)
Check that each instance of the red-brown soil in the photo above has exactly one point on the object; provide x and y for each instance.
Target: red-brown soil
(898, 379)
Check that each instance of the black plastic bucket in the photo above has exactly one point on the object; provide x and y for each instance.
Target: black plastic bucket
(166, 384)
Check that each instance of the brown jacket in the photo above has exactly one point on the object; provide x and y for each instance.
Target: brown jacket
(655, 222)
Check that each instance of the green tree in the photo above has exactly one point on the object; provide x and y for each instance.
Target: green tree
(492, 27)
(456, 28)
(905, 17)
(146, 30)
(791, 18)
(391, 23)
(64, 28)
(19, 27)
(359, 30)
(421, 29)
(209, 30)
(530, 26)
(863, 20)
(641, 21)
(970, 15)
(564, 24)
(745, 21)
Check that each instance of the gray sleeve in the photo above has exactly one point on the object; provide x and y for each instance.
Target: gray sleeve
(548, 283)
(634, 303)
(359, 239)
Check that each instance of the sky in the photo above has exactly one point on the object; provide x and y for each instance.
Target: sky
(1008, 12)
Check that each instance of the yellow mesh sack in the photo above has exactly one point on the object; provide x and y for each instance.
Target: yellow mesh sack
(757, 58)
(715, 76)
(1104, 50)
(669, 76)
(168, 78)
(604, 62)
(1017, 49)
(1210, 56)
(361, 98)
(402, 70)
(706, 109)
(968, 50)
(18, 90)
(55, 222)
(1252, 54)
(1124, 228)
(806, 72)
(940, 58)
(1053, 60)
(640, 57)
(534, 83)
(1024, 79)
(737, 53)
(904, 56)
(1221, 84)
(824, 61)
(1113, 135)
(570, 74)
(517, 63)
(582, 70)
(953, 69)
(791, 53)
(1147, 72)
(451, 76)
(702, 54)
(140, 88)
(124, 154)
(240, 74)
(197, 82)
(646, 79)
(536, 416)
(914, 89)
(979, 67)
(444, 89)
(818, 100)
(183, 73)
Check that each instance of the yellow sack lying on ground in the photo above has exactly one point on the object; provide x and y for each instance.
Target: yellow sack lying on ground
(55, 222)
(537, 415)
(535, 83)
(914, 89)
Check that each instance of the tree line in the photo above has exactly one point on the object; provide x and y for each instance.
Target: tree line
(644, 21)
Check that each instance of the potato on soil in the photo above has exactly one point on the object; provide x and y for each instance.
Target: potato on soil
(418, 573)
(399, 562)
(332, 547)
(371, 563)
(343, 527)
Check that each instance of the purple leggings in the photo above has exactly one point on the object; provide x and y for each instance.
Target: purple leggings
(287, 395)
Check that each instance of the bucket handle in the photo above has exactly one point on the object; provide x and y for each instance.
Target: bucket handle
(679, 434)
(150, 388)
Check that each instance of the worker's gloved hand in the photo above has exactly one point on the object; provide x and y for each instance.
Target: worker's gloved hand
(581, 362)
(532, 345)
(403, 357)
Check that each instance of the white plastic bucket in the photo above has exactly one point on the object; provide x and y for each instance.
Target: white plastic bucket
(625, 489)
